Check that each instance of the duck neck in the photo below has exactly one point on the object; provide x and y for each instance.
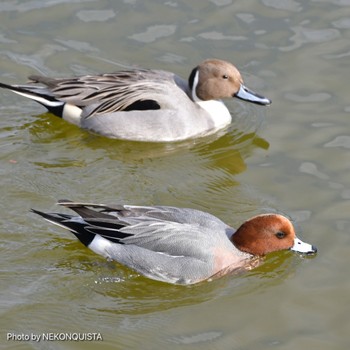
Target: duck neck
(216, 109)
(244, 241)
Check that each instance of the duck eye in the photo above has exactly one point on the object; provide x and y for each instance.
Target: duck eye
(280, 235)
(225, 76)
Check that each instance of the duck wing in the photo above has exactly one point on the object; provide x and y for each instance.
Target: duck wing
(127, 90)
(163, 229)
(164, 243)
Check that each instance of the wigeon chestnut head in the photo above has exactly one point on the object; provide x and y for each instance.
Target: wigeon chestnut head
(176, 245)
(144, 104)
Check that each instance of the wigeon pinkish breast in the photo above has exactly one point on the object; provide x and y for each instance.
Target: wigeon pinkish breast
(176, 245)
(144, 104)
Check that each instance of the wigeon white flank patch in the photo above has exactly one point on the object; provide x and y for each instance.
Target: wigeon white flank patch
(100, 246)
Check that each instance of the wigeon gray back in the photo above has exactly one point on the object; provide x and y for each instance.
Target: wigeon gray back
(176, 245)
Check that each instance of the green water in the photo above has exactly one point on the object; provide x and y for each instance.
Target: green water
(292, 157)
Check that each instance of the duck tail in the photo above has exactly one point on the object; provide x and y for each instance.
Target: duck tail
(39, 94)
(74, 224)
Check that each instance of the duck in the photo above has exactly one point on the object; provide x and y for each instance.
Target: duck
(176, 245)
(144, 104)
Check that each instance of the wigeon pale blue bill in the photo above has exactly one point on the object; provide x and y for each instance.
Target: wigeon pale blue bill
(176, 245)
(144, 104)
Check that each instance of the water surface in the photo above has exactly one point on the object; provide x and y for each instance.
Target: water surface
(292, 157)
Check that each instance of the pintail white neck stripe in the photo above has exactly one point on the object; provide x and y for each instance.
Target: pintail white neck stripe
(195, 98)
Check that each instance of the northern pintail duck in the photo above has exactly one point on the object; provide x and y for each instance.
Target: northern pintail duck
(176, 245)
(144, 104)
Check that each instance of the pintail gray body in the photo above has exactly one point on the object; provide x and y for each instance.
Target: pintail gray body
(144, 104)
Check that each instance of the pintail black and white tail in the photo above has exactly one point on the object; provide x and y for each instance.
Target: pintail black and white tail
(46, 98)
(40, 95)
(71, 223)
(96, 230)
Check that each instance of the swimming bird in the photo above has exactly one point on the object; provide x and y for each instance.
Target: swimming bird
(144, 104)
(176, 245)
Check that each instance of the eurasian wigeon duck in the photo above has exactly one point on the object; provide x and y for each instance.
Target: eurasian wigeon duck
(144, 104)
(176, 245)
